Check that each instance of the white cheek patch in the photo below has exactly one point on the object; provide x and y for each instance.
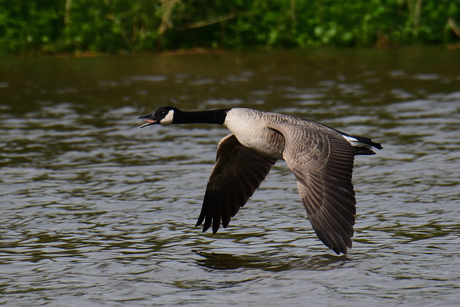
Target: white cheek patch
(168, 119)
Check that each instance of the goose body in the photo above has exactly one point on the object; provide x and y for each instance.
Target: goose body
(320, 157)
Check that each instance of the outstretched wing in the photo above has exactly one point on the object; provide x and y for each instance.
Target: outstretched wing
(322, 162)
(238, 172)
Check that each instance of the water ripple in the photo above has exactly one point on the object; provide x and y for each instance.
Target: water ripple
(96, 211)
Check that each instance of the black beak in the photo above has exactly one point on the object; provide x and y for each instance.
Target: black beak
(149, 119)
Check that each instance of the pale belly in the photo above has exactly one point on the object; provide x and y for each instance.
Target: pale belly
(252, 131)
(269, 143)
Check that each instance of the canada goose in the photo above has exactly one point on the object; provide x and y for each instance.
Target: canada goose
(320, 157)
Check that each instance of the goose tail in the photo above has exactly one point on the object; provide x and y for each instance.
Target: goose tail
(362, 145)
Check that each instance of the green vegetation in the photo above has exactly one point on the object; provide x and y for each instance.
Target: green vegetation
(148, 25)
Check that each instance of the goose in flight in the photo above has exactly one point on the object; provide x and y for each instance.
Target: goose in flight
(320, 157)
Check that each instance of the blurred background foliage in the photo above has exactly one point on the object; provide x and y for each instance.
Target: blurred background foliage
(131, 26)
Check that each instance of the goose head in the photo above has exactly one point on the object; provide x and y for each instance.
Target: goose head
(162, 116)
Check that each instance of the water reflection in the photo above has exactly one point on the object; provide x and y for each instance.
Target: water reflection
(269, 262)
(96, 211)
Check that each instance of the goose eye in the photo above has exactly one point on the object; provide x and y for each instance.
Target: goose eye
(164, 111)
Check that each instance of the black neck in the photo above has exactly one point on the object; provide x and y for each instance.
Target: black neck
(201, 117)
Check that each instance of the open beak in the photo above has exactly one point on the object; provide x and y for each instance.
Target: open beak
(148, 118)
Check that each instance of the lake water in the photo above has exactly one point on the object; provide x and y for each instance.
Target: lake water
(97, 212)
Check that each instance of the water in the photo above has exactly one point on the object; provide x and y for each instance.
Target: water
(97, 212)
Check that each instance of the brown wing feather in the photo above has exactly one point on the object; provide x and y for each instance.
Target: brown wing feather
(238, 172)
(322, 162)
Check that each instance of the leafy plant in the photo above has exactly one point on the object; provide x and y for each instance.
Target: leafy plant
(132, 26)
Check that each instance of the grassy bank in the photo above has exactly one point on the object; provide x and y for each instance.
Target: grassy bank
(146, 25)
